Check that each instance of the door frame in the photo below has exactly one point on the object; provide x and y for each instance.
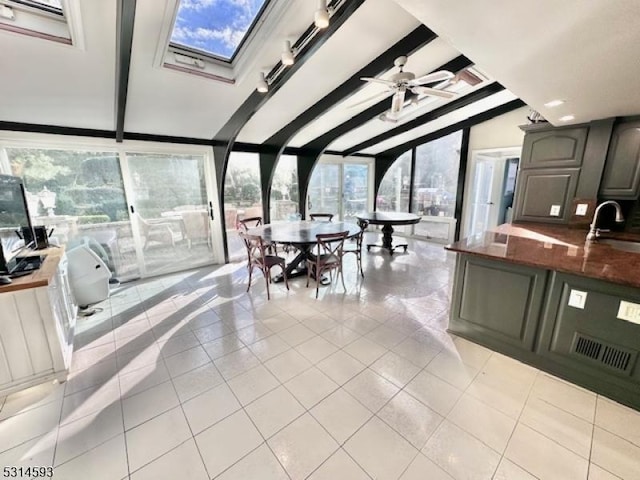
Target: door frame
(502, 153)
(341, 161)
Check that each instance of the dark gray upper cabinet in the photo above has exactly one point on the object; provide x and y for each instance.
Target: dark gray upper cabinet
(540, 190)
(559, 147)
(621, 177)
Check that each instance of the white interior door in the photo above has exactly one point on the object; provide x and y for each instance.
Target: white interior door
(485, 194)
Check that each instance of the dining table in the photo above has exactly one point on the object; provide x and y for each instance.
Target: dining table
(302, 236)
(388, 220)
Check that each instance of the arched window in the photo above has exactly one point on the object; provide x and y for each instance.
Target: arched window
(284, 190)
(393, 194)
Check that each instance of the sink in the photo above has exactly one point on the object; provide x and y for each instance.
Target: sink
(626, 246)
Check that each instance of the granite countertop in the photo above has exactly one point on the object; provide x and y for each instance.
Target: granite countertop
(556, 248)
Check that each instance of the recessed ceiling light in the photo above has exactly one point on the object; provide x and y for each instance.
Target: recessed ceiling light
(567, 118)
(554, 103)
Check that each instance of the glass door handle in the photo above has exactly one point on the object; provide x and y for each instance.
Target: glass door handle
(211, 210)
(132, 209)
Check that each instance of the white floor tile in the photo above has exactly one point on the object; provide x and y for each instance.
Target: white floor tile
(33, 453)
(598, 473)
(500, 393)
(31, 398)
(615, 454)
(156, 437)
(178, 343)
(460, 454)
(287, 365)
(339, 465)
(410, 418)
(618, 419)
(451, 369)
(182, 462)
(570, 398)
(569, 431)
(106, 462)
(543, 457)
(98, 374)
(316, 349)
(273, 411)
(233, 364)
(365, 350)
(302, 446)
(296, 335)
(279, 322)
(210, 407)
(341, 415)
(471, 353)
(311, 386)
(416, 352)
(269, 347)
(185, 361)
(196, 381)
(434, 392)
(507, 470)
(227, 441)
(340, 336)
(223, 346)
(340, 367)
(253, 333)
(483, 422)
(396, 369)
(380, 451)
(422, 469)
(148, 404)
(253, 384)
(386, 336)
(82, 435)
(142, 379)
(258, 465)
(29, 425)
(371, 389)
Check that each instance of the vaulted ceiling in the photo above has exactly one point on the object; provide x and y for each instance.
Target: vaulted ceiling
(539, 51)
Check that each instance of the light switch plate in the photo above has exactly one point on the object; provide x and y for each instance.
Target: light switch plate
(581, 209)
(629, 311)
(577, 299)
(555, 211)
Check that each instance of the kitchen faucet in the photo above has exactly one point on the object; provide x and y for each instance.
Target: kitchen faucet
(594, 231)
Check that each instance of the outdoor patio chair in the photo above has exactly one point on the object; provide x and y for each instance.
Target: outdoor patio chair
(257, 257)
(321, 217)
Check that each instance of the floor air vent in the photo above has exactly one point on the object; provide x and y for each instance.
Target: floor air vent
(606, 355)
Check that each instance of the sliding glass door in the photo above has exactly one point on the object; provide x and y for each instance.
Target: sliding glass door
(170, 211)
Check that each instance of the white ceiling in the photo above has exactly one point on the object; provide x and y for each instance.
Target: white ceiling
(50, 83)
(349, 49)
(423, 61)
(582, 51)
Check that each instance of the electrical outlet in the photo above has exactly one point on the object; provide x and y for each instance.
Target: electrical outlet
(555, 211)
(629, 311)
(581, 209)
(577, 299)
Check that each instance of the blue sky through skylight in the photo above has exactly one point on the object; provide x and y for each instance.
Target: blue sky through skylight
(214, 26)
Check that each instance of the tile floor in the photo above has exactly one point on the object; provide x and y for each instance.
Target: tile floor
(188, 377)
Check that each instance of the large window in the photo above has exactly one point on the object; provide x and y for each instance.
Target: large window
(242, 196)
(393, 194)
(284, 190)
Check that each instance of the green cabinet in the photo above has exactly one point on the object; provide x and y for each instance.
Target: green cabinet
(554, 148)
(497, 303)
(621, 179)
(545, 194)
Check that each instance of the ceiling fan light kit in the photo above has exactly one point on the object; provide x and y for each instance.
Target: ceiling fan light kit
(400, 82)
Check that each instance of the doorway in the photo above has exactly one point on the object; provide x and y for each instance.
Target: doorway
(492, 186)
(341, 188)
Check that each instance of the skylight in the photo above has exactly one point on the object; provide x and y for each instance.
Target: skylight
(53, 6)
(215, 27)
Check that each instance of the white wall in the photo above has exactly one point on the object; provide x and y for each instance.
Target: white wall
(499, 132)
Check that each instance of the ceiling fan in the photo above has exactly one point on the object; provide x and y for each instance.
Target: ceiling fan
(398, 84)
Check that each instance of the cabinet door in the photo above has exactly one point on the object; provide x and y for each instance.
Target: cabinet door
(497, 303)
(621, 177)
(562, 147)
(545, 195)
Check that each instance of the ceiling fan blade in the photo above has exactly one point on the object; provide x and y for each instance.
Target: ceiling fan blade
(377, 96)
(397, 102)
(433, 92)
(388, 83)
(432, 78)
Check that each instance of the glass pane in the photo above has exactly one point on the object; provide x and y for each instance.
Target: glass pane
(284, 190)
(355, 190)
(436, 177)
(324, 189)
(89, 205)
(170, 199)
(215, 27)
(393, 194)
(242, 196)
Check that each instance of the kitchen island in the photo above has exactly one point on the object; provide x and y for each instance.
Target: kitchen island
(545, 296)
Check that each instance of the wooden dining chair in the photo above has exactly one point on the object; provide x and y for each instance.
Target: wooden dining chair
(330, 248)
(321, 217)
(357, 248)
(251, 222)
(257, 257)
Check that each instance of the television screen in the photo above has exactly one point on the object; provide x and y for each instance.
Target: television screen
(14, 216)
